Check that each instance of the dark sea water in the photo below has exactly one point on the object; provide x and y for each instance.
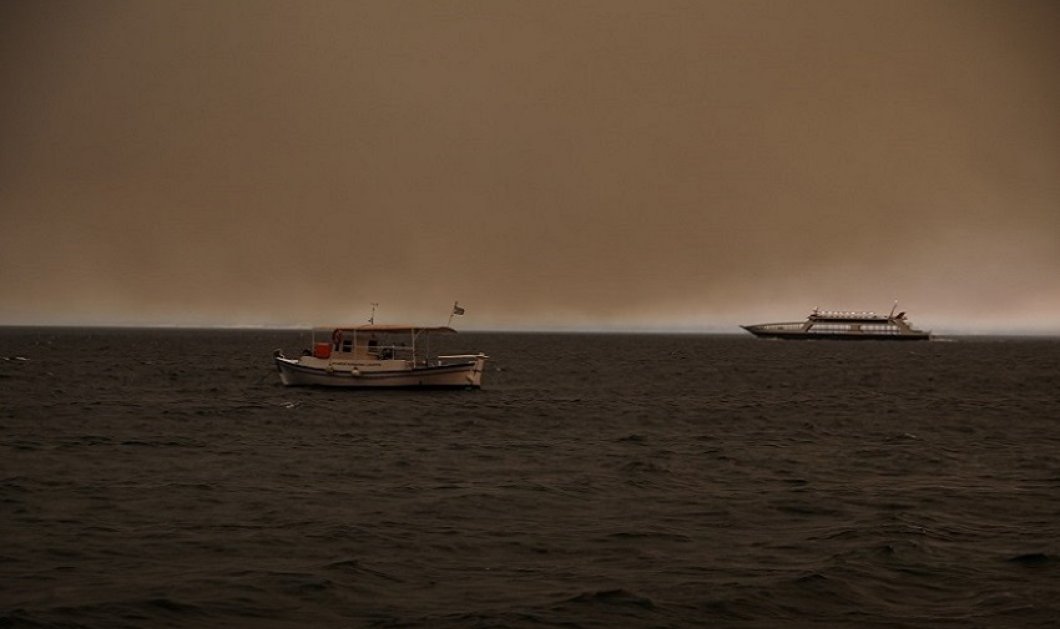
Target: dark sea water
(165, 478)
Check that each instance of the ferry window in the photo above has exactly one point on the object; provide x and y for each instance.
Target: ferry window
(347, 345)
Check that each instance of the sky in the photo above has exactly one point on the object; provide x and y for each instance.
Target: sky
(551, 165)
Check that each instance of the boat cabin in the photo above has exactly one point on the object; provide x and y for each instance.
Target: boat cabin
(374, 342)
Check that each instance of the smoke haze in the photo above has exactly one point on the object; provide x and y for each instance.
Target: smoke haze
(552, 165)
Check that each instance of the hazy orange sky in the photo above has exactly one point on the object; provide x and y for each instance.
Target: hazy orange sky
(552, 165)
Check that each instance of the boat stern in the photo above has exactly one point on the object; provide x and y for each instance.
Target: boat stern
(473, 375)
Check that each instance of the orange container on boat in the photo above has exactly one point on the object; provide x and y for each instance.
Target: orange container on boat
(322, 350)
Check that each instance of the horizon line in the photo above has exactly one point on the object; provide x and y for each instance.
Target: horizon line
(706, 330)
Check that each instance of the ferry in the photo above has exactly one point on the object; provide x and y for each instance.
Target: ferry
(379, 356)
(845, 325)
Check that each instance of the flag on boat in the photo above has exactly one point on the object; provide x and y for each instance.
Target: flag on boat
(457, 310)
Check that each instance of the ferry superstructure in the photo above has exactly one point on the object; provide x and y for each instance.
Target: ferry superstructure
(844, 325)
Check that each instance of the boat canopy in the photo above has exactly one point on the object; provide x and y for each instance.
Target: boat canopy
(390, 328)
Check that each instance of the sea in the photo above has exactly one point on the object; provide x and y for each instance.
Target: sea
(166, 478)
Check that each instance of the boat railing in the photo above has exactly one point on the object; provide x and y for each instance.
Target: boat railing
(458, 358)
(877, 330)
(847, 316)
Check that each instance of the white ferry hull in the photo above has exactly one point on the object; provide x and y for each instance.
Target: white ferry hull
(761, 332)
(465, 374)
(843, 325)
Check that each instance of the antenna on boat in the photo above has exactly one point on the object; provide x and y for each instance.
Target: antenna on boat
(371, 319)
(893, 308)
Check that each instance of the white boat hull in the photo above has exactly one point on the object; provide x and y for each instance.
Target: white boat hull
(464, 373)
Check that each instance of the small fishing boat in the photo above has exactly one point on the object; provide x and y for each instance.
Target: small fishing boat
(379, 356)
(844, 325)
